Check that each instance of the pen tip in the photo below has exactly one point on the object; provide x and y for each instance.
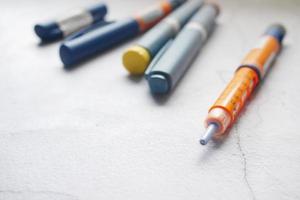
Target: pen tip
(211, 130)
(203, 142)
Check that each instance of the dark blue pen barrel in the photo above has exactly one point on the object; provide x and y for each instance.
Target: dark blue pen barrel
(278, 31)
(96, 41)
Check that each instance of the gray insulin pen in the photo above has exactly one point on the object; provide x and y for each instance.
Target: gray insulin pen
(168, 70)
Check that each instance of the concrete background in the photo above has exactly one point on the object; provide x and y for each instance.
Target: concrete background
(95, 133)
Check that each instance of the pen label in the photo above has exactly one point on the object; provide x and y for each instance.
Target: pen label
(199, 28)
(152, 15)
(263, 55)
(78, 21)
(268, 63)
(267, 52)
(174, 23)
(262, 43)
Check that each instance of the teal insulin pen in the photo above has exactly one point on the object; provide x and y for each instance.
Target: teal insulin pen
(176, 57)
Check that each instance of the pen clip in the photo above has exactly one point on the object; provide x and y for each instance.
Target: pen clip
(161, 52)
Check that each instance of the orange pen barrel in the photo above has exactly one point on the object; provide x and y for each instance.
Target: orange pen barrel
(233, 99)
(254, 67)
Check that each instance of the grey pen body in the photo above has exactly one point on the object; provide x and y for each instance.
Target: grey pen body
(177, 59)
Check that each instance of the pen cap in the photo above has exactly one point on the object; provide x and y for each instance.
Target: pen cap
(58, 29)
(157, 58)
(278, 31)
(98, 11)
(48, 31)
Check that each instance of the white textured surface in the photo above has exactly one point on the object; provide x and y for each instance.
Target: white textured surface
(93, 133)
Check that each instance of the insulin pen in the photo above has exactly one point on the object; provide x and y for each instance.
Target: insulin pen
(251, 72)
(55, 30)
(167, 70)
(137, 58)
(74, 51)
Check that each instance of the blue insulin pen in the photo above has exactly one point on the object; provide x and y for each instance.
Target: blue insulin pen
(74, 51)
(176, 57)
(59, 29)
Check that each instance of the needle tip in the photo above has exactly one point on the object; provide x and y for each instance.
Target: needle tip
(203, 142)
(210, 132)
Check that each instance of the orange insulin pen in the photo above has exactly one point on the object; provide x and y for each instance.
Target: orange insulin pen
(251, 72)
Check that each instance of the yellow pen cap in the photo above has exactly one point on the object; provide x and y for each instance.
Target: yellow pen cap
(136, 60)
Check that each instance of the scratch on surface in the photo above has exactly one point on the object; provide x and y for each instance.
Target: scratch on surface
(51, 194)
(244, 161)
